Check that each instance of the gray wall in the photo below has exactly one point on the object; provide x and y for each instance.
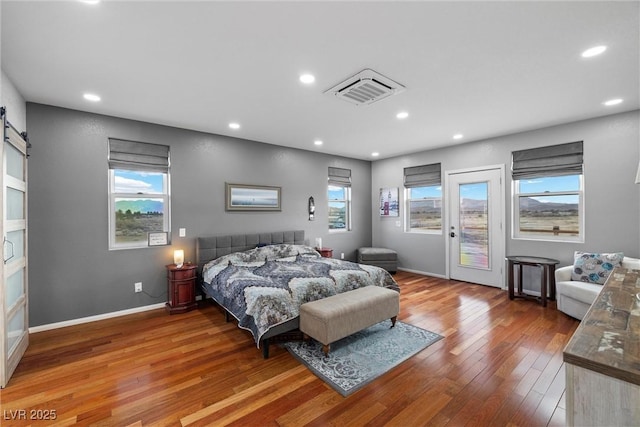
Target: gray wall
(612, 200)
(72, 273)
(14, 102)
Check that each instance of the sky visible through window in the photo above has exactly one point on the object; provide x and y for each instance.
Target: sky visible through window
(474, 191)
(550, 185)
(536, 186)
(426, 192)
(336, 193)
(138, 182)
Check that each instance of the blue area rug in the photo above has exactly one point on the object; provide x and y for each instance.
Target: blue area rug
(358, 359)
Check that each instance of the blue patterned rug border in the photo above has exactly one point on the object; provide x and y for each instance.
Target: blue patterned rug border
(357, 360)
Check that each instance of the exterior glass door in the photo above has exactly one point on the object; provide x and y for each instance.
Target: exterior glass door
(476, 236)
(14, 324)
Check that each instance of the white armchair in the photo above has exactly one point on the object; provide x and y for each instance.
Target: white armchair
(574, 298)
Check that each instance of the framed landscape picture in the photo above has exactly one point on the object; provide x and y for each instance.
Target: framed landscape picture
(241, 197)
(389, 202)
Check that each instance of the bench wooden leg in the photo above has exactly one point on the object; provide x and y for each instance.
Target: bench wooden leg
(326, 348)
(393, 321)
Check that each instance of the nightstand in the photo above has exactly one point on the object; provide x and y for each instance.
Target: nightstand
(182, 288)
(325, 252)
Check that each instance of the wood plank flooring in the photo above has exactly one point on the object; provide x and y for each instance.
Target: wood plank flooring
(500, 364)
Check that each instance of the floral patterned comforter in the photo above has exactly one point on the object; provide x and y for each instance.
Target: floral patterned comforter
(265, 287)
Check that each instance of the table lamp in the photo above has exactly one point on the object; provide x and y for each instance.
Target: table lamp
(178, 257)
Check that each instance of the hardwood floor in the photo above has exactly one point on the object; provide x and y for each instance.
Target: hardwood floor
(500, 364)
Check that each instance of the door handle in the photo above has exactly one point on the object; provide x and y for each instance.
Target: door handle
(452, 234)
(4, 244)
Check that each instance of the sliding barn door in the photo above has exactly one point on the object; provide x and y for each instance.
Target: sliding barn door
(14, 326)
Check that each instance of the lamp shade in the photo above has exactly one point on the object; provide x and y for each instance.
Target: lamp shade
(178, 257)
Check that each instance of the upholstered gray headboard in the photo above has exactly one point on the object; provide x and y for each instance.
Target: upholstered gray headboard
(208, 248)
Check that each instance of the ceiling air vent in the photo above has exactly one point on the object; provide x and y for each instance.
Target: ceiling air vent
(365, 88)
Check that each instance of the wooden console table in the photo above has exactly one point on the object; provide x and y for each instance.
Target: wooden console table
(603, 357)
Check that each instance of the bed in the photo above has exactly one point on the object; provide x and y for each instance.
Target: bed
(262, 279)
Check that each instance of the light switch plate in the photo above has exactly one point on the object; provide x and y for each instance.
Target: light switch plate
(182, 232)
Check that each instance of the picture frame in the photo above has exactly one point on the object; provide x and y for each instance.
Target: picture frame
(261, 198)
(158, 238)
(389, 205)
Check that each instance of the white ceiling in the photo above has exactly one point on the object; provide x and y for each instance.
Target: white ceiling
(482, 69)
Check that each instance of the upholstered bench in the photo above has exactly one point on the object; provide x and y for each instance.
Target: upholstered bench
(380, 257)
(329, 319)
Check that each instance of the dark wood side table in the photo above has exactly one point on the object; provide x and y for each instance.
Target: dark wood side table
(182, 288)
(326, 252)
(548, 270)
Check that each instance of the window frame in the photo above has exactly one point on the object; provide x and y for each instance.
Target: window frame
(113, 196)
(138, 158)
(422, 176)
(347, 201)
(517, 194)
(407, 216)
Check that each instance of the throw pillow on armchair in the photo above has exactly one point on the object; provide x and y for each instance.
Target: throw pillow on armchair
(594, 267)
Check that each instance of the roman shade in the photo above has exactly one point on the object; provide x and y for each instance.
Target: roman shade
(552, 160)
(340, 177)
(422, 176)
(132, 155)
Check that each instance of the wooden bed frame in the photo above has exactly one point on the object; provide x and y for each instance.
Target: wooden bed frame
(210, 248)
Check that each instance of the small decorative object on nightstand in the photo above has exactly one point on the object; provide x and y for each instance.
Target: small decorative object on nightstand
(182, 288)
(325, 252)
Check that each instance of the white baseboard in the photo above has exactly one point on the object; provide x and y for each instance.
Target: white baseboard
(442, 276)
(424, 273)
(94, 318)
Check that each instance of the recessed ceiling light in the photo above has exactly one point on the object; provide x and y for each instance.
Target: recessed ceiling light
(594, 51)
(90, 1)
(307, 78)
(458, 136)
(234, 125)
(402, 115)
(611, 102)
(91, 97)
(375, 154)
(317, 142)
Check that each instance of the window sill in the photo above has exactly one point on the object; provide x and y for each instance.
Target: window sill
(549, 239)
(430, 232)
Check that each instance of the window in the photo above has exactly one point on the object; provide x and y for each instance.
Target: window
(548, 192)
(339, 195)
(423, 195)
(138, 192)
